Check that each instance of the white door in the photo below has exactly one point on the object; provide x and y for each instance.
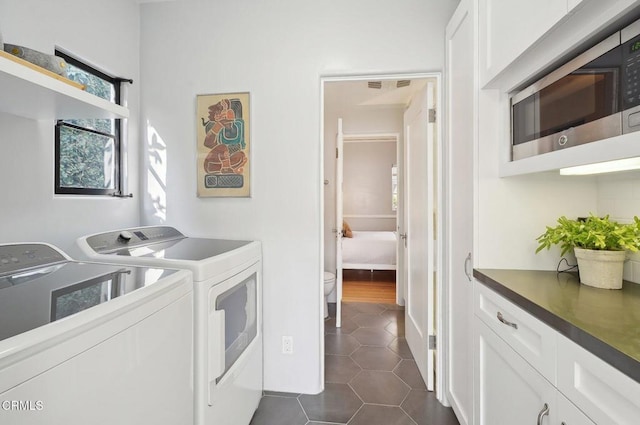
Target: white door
(419, 231)
(339, 178)
(458, 188)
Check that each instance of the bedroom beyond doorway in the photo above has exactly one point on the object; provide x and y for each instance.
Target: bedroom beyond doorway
(377, 286)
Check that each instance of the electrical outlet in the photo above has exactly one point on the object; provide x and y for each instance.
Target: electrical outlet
(287, 345)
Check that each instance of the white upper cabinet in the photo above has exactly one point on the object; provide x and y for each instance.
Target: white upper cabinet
(509, 27)
(519, 39)
(31, 94)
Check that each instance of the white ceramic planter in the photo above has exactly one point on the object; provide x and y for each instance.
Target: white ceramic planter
(601, 269)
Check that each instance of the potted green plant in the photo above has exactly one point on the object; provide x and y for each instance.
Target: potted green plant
(600, 245)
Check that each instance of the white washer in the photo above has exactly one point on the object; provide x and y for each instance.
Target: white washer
(227, 277)
(85, 343)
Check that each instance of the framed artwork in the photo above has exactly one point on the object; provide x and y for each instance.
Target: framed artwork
(224, 145)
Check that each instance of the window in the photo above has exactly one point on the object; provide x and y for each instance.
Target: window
(88, 150)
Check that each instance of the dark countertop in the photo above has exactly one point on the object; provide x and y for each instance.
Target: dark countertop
(605, 322)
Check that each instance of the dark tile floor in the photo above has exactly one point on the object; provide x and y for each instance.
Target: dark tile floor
(370, 377)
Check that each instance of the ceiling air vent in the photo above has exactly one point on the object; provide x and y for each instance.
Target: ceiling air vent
(403, 83)
(375, 84)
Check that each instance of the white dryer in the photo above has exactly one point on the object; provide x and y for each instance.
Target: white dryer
(227, 278)
(84, 343)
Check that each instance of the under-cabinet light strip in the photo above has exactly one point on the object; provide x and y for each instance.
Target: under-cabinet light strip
(602, 167)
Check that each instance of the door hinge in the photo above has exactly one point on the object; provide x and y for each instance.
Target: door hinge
(337, 156)
(432, 342)
(432, 115)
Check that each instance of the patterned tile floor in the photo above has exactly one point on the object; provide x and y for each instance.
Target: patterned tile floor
(370, 377)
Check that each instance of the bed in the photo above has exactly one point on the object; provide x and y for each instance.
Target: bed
(368, 250)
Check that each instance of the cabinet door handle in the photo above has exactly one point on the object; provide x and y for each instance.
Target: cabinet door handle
(544, 412)
(505, 321)
(467, 261)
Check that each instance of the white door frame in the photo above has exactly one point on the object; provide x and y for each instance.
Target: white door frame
(441, 295)
(383, 138)
(339, 219)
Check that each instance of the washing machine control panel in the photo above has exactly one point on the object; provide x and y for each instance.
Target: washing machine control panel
(17, 257)
(104, 243)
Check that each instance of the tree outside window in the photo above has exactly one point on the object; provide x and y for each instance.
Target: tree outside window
(88, 150)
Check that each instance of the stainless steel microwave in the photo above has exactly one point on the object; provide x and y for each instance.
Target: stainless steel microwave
(593, 97)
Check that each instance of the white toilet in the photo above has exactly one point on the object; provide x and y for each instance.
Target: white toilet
(329, 284)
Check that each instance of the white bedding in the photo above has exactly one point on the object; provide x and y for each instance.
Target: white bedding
(369, 250)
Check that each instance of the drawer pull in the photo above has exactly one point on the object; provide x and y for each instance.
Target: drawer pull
(505, 321)
(544, 412)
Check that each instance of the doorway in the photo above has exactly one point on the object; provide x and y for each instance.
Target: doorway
(378, 104)
(369, 243)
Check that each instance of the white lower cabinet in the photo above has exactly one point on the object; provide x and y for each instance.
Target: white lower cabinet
(514, 383)
(604, 393)
(508, 390)
(526, 335)
(569, 414)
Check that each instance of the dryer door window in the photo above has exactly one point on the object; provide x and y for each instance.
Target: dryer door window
(240, 306)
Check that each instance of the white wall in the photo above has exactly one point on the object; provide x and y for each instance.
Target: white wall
(278, 51)
(514, 211)
(106, 34)
(367, 186)
(619, 196)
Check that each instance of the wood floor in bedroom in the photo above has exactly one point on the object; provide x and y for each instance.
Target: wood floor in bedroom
(378, 286)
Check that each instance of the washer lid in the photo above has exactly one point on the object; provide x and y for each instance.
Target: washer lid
(33, 297)
(186, 249)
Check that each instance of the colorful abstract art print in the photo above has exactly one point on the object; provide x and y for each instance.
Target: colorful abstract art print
(224, 145)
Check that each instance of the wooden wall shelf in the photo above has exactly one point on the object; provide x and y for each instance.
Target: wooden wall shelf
(30, 93)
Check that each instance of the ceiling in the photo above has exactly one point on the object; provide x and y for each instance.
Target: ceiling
(359, 93)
